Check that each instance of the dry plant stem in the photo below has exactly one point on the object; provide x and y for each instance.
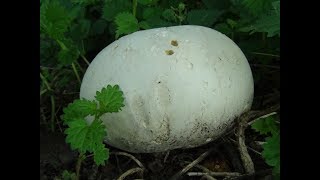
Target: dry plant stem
(266, 54)
(245, 157)
(252, 115)
(206, 176)
(217, 174)
(253, 150)
(129, 172)
(166, 157)
(264, 116)
(130, 156)
(189, 166)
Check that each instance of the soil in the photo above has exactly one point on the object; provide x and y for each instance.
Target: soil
(56, 156)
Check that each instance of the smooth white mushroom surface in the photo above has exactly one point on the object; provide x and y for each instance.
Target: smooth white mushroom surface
(183, 87)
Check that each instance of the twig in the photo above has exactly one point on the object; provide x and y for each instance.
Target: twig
(189, 166)
(253, 150)
(209, 177)
(245, 157)
(246, 176)
(266, 54)
(265, 66)
(264, 116)
(217, 174)
(166, 157)
(129, 172)
(252, 115)
(130, 156)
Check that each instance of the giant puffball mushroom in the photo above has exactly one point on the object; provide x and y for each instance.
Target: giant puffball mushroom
(183, 87)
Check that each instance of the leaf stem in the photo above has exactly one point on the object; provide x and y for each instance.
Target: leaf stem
(78, 166)
(134, 7)
(53, 113)
(53, 108)
(85, 59)
(76, 72)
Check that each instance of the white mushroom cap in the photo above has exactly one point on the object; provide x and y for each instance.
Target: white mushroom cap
(183, 87)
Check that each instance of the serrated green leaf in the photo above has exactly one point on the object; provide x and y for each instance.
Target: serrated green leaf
(110, 99)
(101, 154)
(271, 152)
(69, 52)
(84, 137)
(113, 7)
(268, 22)
(54, 19)
(203, 17)
(217, 4)
(126, 24)
(67, 57)
(169, 15)
(266, 125)
(76, 134)
(79, 109)
(257, 7)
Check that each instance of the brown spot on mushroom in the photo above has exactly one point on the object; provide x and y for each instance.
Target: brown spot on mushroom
(174, 43)
(169, 52)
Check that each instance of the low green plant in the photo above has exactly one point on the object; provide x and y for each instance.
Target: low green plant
(88, 137)
(271, 148)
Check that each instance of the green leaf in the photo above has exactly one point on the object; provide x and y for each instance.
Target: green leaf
(268, 22)
(85, 2)
(151, 12)
(113, 7)
(84, 137)
(257, 7)
(79, 109)
(266, 125)
(169, 15)
(147, 2)
(223, 28)
(203, 17)
(110, 99)
(217, 4)
(54, 19)
(76, 134)
(144, 25)
(81, 30)
(126, 24)
(67, 57)
(232, 23)
(69, 52)
(101, 154)
(66, 175)
(271, 152)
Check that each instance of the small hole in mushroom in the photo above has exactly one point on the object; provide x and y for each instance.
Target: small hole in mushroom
(169, 52)
(159, 82)
(174, 43)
